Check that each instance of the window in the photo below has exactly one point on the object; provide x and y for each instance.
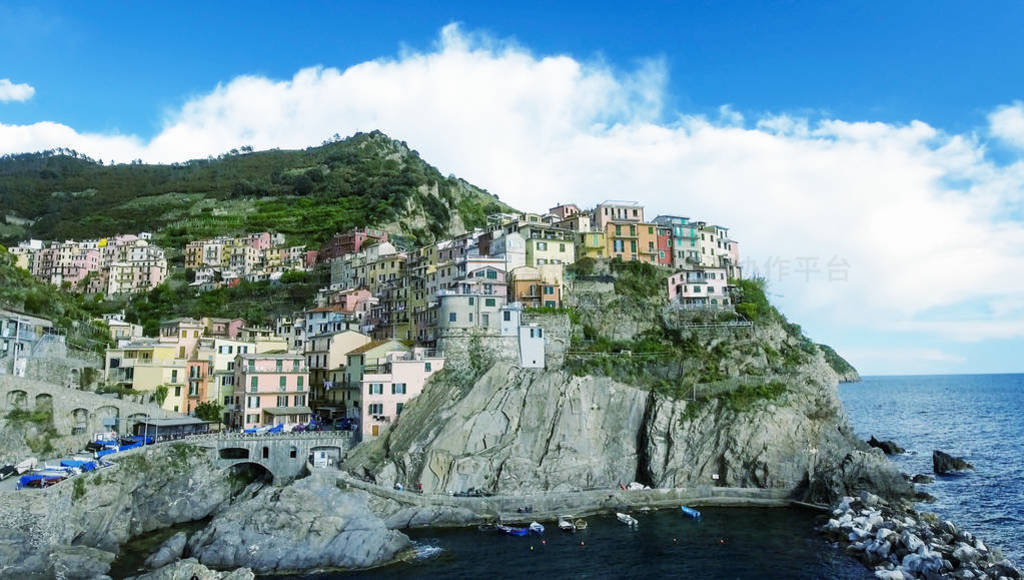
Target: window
(376, 408)
(632, 246)
(299, 383)
(252, 365)
(618, 230)
(489, 302)
(618, 246)
(542, 246)
(181, 352)
(177, 391)
(650, 231)
(282, 400)
(300, 400)
(227, 401)
(471, 317)
(561, 247)
(398, 408)
(471, 301)
(451, 317)
(632, 230)
(507, 315)
(549, 289)
(426, 367)
(376, 388)
(398, 389)
(280, 365)
(174, 376)
(184, 334)
(283, 383)
(296, 364)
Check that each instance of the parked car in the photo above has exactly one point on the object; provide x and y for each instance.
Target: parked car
(6, 471)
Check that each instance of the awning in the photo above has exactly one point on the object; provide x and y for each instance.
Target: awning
(287, 410)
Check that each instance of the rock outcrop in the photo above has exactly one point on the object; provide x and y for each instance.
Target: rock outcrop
(888, 447)
(168, 552)
(191, 568)
(147, 490)
(309, 525)
(946, 464)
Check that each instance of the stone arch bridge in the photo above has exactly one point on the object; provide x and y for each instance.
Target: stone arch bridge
(284, 455)
(74, 412)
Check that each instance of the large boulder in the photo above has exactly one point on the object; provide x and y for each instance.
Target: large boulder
(310, 524)
(168, 552)
(946, 464)
(888, 447)
(191, 568)
(71, 562)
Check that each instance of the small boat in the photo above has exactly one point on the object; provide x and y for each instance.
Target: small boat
(536, 528)
(580, 523)
(690, 511)
(626, 519)
(566, 524)
(509, 530)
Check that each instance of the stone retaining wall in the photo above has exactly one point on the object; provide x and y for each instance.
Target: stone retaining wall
(548, 506)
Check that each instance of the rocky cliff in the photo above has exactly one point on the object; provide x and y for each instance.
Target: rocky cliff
(647, 393)
(514, 430)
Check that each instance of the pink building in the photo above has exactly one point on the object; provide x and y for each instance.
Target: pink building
(384, 394)
(271, 389)
(565, 210)
(700, 288)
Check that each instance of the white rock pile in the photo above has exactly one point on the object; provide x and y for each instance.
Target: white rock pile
(900, 543)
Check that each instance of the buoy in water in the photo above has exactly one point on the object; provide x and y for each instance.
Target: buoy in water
(581, 543)
(544, 542)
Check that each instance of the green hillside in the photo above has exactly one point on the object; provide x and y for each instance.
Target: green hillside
(365, 180)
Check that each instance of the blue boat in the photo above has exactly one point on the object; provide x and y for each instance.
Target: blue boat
(690, 511)
(83, 465)
(512, 531)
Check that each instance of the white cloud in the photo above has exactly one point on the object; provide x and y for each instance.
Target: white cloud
(15, 92)
(1007, 123)
(922, 218)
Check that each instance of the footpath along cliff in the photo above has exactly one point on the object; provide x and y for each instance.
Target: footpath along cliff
(636, 389)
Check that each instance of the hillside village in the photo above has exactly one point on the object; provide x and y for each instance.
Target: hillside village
(387, 322)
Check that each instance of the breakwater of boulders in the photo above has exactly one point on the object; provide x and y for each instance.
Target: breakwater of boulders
(898, 542)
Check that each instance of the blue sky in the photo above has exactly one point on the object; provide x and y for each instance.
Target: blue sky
(852, 130)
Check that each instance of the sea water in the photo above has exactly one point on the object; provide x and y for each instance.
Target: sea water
(724, 543)
(977, 417)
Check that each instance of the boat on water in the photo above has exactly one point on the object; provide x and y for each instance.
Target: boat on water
(536, 528)
(566, 524)
(511, 531)
(626, 519)
(580, 523)
(689, 511)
